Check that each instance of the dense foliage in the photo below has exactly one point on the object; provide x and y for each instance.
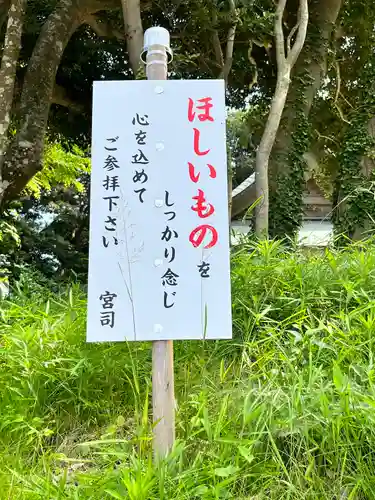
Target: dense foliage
(326, 119)
(285, 410)
(47, 229)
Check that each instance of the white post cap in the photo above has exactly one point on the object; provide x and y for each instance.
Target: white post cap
(156, 36)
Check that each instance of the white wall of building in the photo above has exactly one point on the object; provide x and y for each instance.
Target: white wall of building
(311, 234)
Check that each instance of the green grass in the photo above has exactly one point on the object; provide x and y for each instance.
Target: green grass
(286, 410)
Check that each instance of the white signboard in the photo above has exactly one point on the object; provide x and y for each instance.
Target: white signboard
(159, 232)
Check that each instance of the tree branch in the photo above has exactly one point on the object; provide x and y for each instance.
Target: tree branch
(225, 63)
(338, 78)
(4, 7)
(12, 45)
(133, 32)
(341, 114)
(230, 43)
(290, 36)
(301, 33)
(98, 5)
(60, 97)
(103, 28)
(279, 34)
(284, 67)
(323, 14)
(216, 41)
(23, 157)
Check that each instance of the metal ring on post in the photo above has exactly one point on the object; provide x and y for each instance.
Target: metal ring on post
(156, 51)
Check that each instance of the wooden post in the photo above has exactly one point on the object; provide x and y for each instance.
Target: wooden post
(163, 401)
(163, 397)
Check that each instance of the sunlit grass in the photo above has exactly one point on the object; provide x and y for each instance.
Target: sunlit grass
(286, 410)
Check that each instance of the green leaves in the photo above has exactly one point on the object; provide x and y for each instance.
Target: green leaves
(226, 471)
(8, 232)
(60, 167)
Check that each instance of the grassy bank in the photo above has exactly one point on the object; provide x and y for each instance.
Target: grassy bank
(284, 410)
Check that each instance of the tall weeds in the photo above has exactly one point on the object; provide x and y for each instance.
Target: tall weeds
(284, 410)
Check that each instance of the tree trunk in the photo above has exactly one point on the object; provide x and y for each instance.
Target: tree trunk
(367, 167)
(24, 154)
(23, 159)
(284, 68)
(263, 154)
(4, 7)
(225, 62)
(12, 45)
(285, 203)
(287, 164)
(133, 31)
(354, 202)
(309, 71)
